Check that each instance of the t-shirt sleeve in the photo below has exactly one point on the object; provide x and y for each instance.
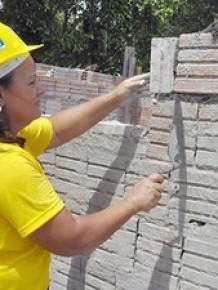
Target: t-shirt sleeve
(38, 135)
(31, 200)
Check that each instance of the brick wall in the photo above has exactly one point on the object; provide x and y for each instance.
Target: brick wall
(67, 87)
(175, 245)
(172, 247)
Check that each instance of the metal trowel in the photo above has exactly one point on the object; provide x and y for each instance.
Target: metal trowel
(175, 143)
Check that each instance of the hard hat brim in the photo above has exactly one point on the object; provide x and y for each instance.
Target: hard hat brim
(26, 50)
(33, 47)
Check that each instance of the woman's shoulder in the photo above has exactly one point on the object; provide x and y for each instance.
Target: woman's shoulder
(38, 135)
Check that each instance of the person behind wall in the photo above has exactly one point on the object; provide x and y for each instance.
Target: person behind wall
(34, 221)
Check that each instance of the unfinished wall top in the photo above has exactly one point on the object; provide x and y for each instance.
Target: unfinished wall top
(188, 64)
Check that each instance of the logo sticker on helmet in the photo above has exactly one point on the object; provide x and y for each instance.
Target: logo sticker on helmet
(2, 45)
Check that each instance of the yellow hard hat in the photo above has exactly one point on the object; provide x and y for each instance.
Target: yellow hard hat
(13, 51)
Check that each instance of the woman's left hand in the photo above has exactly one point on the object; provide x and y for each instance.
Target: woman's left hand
(126, 87)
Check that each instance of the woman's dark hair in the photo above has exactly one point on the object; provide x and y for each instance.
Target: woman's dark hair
(5, 136)
(6, 80)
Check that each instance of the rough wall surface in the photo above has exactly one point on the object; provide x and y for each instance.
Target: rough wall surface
(175, 245)
(68, 87)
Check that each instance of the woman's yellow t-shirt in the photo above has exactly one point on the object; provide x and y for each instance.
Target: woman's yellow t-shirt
(27, 201)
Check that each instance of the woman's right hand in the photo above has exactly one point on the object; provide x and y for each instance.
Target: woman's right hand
(146, 193)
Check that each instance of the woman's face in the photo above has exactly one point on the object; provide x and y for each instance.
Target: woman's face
(21, 98)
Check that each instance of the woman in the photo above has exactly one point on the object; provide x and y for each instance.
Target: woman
(33, 220)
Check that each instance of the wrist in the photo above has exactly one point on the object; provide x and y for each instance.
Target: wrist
(132, 204)
(114, 98)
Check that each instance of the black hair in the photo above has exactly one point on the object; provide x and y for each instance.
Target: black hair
(5, 136)
(6, 80)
